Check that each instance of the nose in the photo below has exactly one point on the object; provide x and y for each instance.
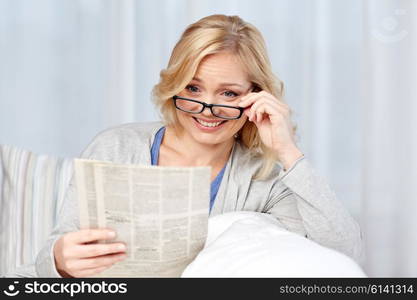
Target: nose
(207, 111)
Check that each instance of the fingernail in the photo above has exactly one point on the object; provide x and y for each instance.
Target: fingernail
(121, 247)
(111, 234)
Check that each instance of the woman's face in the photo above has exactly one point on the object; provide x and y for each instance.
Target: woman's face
(220, 79)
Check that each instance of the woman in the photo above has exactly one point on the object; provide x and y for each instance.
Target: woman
(221, 107)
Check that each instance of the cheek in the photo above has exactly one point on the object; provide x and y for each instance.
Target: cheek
(238, 124)
(235, 126)
(182, 116)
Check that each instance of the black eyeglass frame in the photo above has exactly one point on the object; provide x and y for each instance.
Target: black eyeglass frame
(241, 109)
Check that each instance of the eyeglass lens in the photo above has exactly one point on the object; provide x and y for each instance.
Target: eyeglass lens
(218, 111)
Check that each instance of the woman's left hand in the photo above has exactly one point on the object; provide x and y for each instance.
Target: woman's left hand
(272, 118)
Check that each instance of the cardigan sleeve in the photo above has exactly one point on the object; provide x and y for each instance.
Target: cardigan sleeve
(68, 222)
(309, 207)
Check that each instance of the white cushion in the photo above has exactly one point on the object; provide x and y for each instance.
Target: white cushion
(250, 244)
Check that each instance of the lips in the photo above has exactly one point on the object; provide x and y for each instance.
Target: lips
(209, 123)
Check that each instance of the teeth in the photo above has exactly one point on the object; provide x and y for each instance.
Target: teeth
(212, 124)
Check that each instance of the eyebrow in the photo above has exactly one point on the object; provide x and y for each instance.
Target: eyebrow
(221, 84)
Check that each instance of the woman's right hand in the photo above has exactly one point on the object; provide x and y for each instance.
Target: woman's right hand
(78, 255)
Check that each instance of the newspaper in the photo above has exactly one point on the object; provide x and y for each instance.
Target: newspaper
(160, 213)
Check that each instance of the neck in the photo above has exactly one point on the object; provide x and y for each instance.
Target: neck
(201, 154)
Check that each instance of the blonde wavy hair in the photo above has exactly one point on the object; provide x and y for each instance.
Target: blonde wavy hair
(210, 35)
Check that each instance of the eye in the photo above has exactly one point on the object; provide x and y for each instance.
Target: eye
(192, 88)
(230, 94)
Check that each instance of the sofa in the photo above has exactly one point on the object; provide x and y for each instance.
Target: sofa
(239, 244)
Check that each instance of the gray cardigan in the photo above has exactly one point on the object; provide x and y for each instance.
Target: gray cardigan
(298, 198)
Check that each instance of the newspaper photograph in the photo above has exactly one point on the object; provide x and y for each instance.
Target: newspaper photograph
(160, 213)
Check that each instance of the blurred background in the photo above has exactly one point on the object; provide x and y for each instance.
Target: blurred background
(71, 68)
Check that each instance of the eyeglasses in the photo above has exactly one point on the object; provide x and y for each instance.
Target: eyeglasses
(196, 107)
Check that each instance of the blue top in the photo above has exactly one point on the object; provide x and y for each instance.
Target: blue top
(154, 161)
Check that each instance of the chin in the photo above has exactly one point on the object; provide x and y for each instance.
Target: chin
(208, 140)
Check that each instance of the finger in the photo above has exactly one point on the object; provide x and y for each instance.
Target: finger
(256, 105)
(255, 117)
(252, 115)
(261, 102)
(253, 97)
(93, 250)
(265, 107)
(269, 101)
(256, 97)
(249, 100)
(259, 116)
(91, 235)
(97, 262)
(248, 112)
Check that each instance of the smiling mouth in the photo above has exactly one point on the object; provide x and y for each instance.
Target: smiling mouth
(209, 124)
